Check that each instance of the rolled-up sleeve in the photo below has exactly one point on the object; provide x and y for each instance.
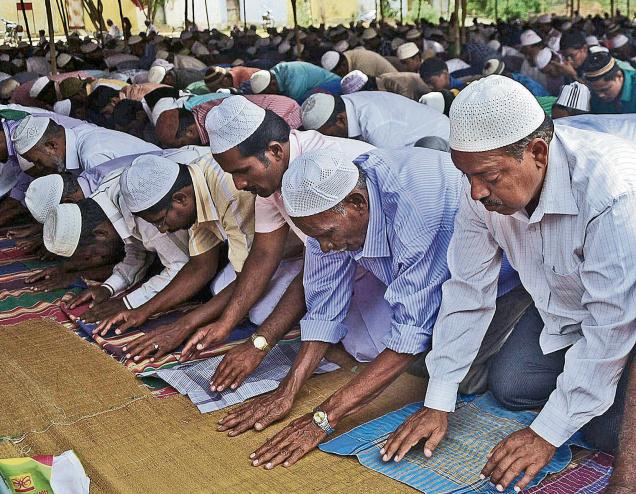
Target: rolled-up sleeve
(328, 281)
(594, 364)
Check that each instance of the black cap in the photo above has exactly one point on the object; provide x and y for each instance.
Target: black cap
(599, 65)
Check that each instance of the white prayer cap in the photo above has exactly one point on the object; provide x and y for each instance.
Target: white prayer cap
(369, 33)
(316, 181)
(24, 164)
(597, 49)
(592, 41)
(491, 113)
(63, 107)
(396, 43)
(354, 81)
(7, 87)
(156, 74)
(38, 86)
(566, 26)
(161, 106)
(529, 37)
(575, 96)
(543, 58)
(62, 229)
(435, 100)
(89, 47)
(146, 181)
(133, 40)
(544, 19)
(493, 66)
(199, 49)
(284, 47)
(43, 195)
(29, 132)
(260, 80)
(330, 59)
(494, 44)
(341, 46)
(413, 34)
(316, 110)
(63, 59)
(438, 47)
(232, 122)
(4, 57)
(407, 50)
(162, 54)
(619, 40)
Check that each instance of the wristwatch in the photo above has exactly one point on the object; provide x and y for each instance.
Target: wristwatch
(260, 342)
(321, 420)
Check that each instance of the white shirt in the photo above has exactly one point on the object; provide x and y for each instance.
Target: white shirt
(576, 256)
(141, 241)
(620, 125)
(88, 145)
(388, 120)
(114, 32)
(270, 211)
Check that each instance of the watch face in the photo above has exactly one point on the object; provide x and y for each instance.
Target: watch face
(260, 342)
(319, 416)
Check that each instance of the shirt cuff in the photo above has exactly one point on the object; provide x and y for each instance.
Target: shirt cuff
(553, 426)
(136, 298)
(327, 331)
(441, 395)
(115, 284)
(407, 339)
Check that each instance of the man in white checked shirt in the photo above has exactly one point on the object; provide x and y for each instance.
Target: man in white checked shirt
(560, 204)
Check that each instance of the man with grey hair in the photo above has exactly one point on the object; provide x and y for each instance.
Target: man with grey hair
(559, 201)
(354, 219)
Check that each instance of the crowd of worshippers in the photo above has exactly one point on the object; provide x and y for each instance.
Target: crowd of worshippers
(466, 219)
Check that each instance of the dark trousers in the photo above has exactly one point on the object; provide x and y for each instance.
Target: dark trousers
(521, 377)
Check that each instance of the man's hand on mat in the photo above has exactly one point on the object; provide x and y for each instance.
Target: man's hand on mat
(290, 444)
(103, 310)
(522, 451)
(156, 344)
(44, 274)
(29, 245)
(124, 318)
(24, 232)
(238, 363)
(93, 295)
(257, 413)
(205, 337)
(55, 281)
(427, 424)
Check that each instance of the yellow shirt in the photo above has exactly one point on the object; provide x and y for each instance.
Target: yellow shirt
(223, 213)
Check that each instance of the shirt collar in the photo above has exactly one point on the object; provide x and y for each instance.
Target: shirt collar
(206, 210)
(626, 93)
(353, 125)
(556, 194)
(376, 243)
(72, 159)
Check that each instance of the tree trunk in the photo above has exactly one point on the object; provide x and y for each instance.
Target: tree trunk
(244, 17)
(456, 35)
(63, 16)
(26, 22)
(207, 15)
(185, 17)
(49, 18)
(121, 19)
(100, 19)
(463, 24)
(193, 21)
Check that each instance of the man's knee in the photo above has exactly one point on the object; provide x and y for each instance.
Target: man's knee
(503, 383)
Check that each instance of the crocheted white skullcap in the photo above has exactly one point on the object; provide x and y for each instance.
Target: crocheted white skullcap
(491, 113)
(260, 80)
(43, 195)
(62, 229)
(29, 132)
(316, 110)
(330, 59)
(316, 181)
(232, 122)
(146, 181)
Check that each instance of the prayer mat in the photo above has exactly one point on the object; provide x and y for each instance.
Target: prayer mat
(37, 358)
(167, 446)
(193, 380)
(477, 426)
(589, 475)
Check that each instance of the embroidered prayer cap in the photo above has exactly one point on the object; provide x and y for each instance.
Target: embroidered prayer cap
(330, 59)
(407, 50)
(316, 181)
(62, 229)
(38, 86)
(146, 181)
(491, 113)
(316, 110)
(232, 122)
(575, 96)
(529, 38)
(260, 80)
(43, 195)
(353, 82)
(29, 132)
(63, 107)
(493, 66)
(598, 64)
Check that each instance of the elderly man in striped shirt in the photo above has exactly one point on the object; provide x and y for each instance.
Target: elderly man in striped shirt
(559, 202)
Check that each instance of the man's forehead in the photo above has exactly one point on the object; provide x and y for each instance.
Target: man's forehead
(477, 163)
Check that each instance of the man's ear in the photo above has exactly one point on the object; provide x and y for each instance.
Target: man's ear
(276, 149)
(341, 118)
(539, 150)
(358, 201)
(51, 145)
(180, 197)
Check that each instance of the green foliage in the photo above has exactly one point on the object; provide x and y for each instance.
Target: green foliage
(426, 11)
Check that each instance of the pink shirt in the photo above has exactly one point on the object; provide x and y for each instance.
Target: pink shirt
(270, 211)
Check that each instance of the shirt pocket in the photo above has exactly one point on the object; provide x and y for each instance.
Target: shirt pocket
(566, 293)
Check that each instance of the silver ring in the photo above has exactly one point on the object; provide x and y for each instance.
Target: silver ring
(155, 346)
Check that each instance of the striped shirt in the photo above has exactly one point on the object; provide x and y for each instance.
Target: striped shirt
(413, 197)
(223, 213)
(575, 255)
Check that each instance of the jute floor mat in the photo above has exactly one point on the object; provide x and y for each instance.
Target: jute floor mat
(64, 394)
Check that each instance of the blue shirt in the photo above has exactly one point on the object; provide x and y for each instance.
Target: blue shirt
(530, 84)
(413, 197)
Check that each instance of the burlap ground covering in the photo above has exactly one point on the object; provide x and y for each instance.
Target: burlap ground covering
(49, 375)
(162, 446)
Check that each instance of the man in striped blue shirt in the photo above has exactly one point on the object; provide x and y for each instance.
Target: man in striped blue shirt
(390, 212)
